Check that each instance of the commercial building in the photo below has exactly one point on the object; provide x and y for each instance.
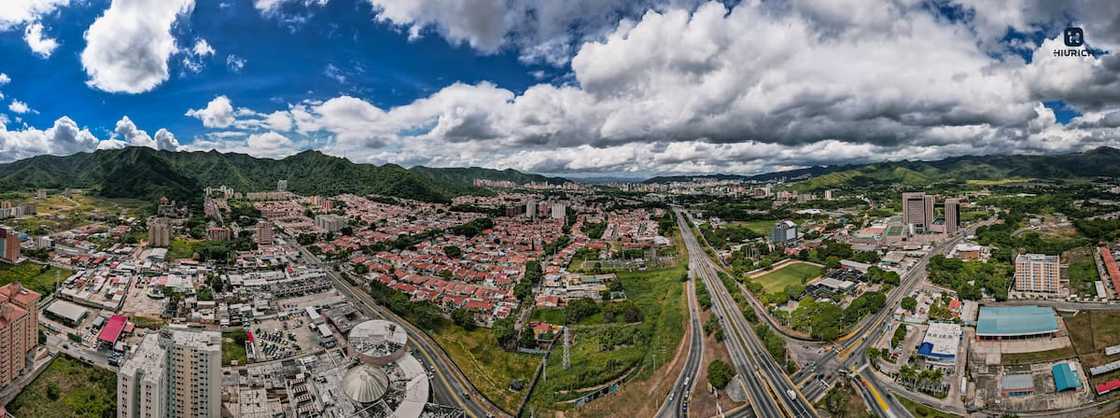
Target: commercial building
(19, 319)
(1110, 267)
(9, 246)
(66, 312)
(174, 373)
(917, 212)
(784, 233)
(1065, 377)
(1016, 385)
(939, 346)
(159, 233)
(1037, 273)
(264, 233)
(1016, 322)
(952, 216)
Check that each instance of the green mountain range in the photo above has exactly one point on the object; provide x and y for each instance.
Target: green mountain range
(1093, 163)
(138, 172)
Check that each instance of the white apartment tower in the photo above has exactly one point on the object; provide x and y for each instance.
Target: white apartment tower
(1037, 273)
(175, 373)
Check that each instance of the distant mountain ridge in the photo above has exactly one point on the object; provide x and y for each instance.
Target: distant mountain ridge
(1101, 161)
(139, 172)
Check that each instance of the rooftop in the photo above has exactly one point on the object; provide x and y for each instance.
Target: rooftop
(1010, 321)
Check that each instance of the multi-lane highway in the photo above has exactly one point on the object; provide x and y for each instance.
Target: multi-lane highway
(449, 385)
(676, 403)
(770, 391)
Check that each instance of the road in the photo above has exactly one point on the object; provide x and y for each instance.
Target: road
(449, 385)
(771, 392)
(676, 404)
(851, 350)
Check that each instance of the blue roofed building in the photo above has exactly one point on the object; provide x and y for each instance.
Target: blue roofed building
(940, 344)
(1016, 322)
(1065, 377)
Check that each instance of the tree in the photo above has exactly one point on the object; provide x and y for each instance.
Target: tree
(463, 318)
(527, 339)
(909, 303)
(720, 373)
(452, 251)
(505, 334)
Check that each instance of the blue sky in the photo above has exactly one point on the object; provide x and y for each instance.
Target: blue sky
(575, 87)
(284, 63)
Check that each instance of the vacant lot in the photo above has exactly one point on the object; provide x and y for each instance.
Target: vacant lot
(490, 368)
(795, 273)
(68, 388)
(1039, 356)
(1092, 331)
(233, 347)
(36, 277)
(604, 352)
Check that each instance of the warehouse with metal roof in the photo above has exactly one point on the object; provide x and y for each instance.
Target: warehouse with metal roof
(1065, 377)
(1007, 322)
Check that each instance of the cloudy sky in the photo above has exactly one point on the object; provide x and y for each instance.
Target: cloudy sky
(575, 87)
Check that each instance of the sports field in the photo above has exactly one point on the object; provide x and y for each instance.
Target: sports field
(793, 273)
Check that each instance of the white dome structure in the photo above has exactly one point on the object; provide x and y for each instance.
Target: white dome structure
(365, 384)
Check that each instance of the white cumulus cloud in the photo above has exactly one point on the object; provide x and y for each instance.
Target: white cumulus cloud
(41, 45)
(128, 47)
(217, 114)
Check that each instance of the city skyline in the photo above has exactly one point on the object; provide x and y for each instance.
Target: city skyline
(575, 89)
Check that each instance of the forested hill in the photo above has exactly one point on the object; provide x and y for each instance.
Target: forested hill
(138, 172)
(1097, 162)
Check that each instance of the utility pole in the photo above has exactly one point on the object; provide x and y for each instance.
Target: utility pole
(567, 348)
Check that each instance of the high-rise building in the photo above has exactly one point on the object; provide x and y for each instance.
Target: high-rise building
(917, 211)
(264, 233)
(1037, 273)
(9, 246)
(828, 194)
(559, 210)
(282, 186)
(784, 233)
(331, 223)
(531, 208)
(217, 233)
(19, 325)
(175, 373)
(952, 216)
(159, 233)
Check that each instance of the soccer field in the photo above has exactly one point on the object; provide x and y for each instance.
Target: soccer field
(795, 273)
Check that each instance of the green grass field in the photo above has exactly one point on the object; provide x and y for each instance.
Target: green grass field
(796, 273)
(68, 388)
(488, 367)
(182, 248)
(33, 276)
(1039, 356)
(762, 227)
